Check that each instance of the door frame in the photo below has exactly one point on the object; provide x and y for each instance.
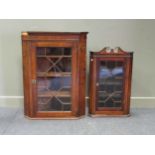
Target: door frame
(74, 87)
(94, 72)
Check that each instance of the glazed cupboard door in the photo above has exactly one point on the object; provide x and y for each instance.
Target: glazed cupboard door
(110, 84)
(54, 79)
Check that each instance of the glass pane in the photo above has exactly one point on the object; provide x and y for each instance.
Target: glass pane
(54, 78)
(110, 84)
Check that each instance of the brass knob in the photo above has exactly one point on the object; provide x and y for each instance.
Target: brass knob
(97, 84)
(34, 81)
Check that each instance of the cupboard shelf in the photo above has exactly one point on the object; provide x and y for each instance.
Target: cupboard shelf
(54, 74)
(64, 103)
(114, 78)
(54, 56)
(102, 101)
(118, 78)
(103, 91)
(108, 95)
(54, 93)
(110, 83)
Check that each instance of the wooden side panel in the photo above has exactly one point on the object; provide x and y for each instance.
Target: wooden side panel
(27, 79)
(82, 73)
(33, 78)
(92, 83)
(128, 83)
(75, 80)
(25, 71)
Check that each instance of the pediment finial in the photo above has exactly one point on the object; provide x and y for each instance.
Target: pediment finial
(116, 50)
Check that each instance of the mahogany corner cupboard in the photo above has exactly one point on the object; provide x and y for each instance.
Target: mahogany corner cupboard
(110, 82)
(54, 74)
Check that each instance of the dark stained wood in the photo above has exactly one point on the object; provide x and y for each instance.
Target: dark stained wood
(82, 73)
(103, 55)
(77, 42)
(25, 75)
(92, 84)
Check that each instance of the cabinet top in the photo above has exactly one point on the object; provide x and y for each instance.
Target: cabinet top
(51, 33)
(32, 35)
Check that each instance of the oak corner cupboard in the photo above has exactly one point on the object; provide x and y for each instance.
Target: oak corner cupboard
(54, 74)
(110, 82)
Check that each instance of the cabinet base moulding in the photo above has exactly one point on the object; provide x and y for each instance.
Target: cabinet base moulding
(102, 115)
(55, 118)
